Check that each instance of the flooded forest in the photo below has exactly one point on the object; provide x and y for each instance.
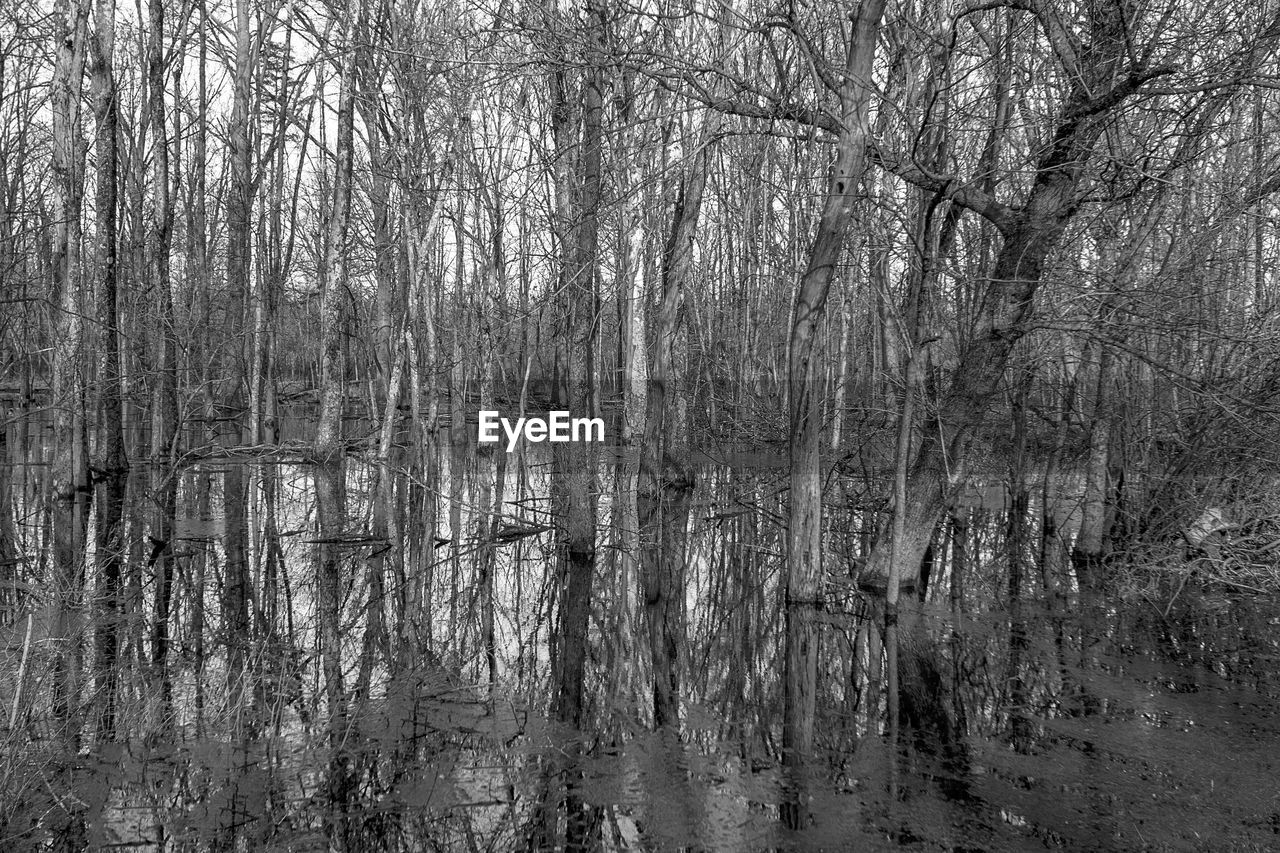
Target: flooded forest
(935, 498)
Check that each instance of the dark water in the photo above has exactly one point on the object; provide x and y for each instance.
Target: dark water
(1140, 722)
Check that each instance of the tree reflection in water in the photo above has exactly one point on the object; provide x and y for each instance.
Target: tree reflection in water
(1088, 724)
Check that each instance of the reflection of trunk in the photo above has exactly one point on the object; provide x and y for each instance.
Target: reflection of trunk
(235, 602)
(873, 643)
(329, 474)
(420, 327)
(199, 567)
(198, 271)
(235, 593)
(457, 493)
(385, 523)
(68, 470)
(494, 276)
(623, 664)
(1016, 555)
(111, 461)
(1029, 235)
(385, 543)
(276, 246)
(1019, 492)
(271, 604)
(488, 566)
(9, 533)
(959, 533)
(1089, 549)
(932, 244)
(330, 469)
(574, 465)
(803, 588)
(665, 482)
(663, 513)
(164, 412)
(164, 486)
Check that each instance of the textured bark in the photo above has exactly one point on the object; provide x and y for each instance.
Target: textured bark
(333, 300)
(1030, 234)
(110, 462)
(632, 296)
(69, 466)
(68, 471)
(1089, 548)
(164, 403)
(388, 293)
(666, 481)
(328, 448)
(576, 463)
(235, 598)
(577, 181)
(804, 531)
(275, 251)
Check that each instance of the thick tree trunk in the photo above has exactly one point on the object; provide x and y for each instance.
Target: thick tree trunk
(68, 471)
(164, 403)
(235, 598)
(803, 589)
(666, 481)
(69, 466)
(328, 448)
(577, 181)
(110, 460)
(1031, 233)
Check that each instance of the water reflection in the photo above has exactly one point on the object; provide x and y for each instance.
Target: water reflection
(1063, 722)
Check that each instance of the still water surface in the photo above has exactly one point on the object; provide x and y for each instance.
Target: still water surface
(1146, 722)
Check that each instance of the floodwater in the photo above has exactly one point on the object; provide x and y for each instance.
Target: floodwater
(1139, 722)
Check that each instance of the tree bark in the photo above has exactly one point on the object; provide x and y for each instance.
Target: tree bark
(69, 471)
(804, 532)
(69, 466)
(235, 598)
(111, 461)
(164, 403)
(1089, 548)
(666, 481)
(328, 448)
(1030, 234)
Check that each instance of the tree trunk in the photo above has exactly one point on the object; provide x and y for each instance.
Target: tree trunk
(235, 599)
(803, 589)
(578, 195)
(330, 464)
(1089, 548)
(1030, 234)
(69, 469)
(666, 481)
(68, 472)
(110, 461)
(164, 405)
